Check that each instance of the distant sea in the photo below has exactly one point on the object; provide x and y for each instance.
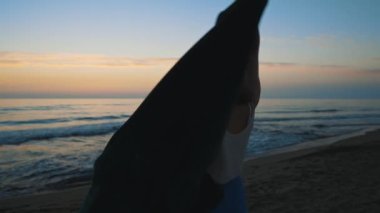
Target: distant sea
(47, 144)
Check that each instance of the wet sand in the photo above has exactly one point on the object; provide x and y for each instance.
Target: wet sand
(336, 177)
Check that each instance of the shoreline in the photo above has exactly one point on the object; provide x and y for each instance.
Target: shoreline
(310, 146)
(264, 176)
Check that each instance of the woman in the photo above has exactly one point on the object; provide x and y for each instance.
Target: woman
(162, 158)
(226, 167)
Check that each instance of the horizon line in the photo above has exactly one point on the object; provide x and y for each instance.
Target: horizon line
(136, 97)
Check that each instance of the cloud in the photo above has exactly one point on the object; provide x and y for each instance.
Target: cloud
(272, 64)
(291, 75)
(377, 71)
(33, 73)
(323, 41)
(295, 65)
(322, 49)
(25, 59)
(67, 60)
(299, 67)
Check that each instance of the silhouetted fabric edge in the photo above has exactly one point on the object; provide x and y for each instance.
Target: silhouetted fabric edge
(157, 161)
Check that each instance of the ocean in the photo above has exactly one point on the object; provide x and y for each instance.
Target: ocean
(48, 144)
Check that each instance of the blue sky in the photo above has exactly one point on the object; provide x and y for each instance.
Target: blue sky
(331, 37)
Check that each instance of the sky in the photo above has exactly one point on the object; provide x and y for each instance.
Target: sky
(122, 48)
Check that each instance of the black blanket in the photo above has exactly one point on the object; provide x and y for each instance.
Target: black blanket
(157, 161)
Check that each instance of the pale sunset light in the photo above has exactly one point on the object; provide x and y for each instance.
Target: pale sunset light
(123, 48)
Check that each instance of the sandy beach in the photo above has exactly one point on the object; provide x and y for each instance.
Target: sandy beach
(335, 177)
(342, 177)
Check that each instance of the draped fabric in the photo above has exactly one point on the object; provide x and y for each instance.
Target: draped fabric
(157, 161)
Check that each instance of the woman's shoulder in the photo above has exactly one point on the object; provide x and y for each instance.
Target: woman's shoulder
(241, 119)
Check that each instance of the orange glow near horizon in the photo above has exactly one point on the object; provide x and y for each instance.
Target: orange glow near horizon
(93, 75)
(79, 74)
(288, 75)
